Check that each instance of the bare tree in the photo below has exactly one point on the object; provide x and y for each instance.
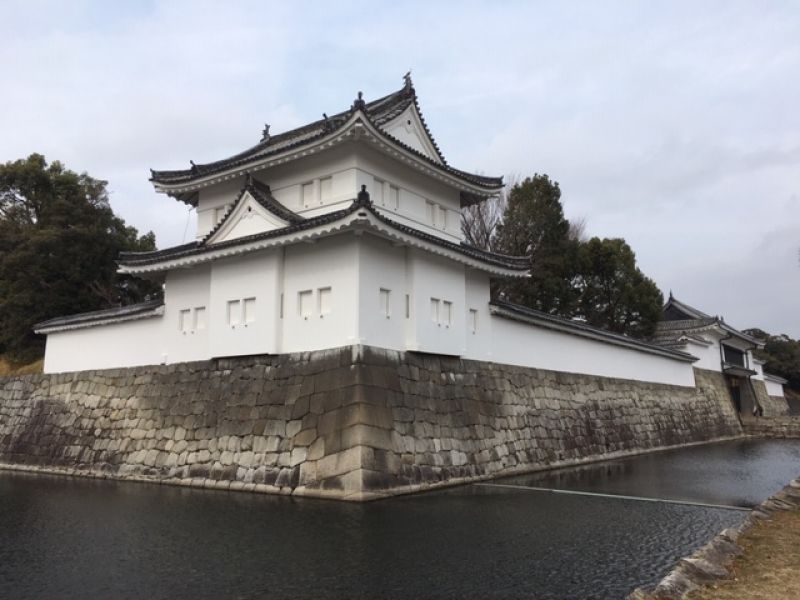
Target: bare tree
(577, 230)
(479, 222)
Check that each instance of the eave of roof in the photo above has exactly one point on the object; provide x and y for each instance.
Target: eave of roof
(700, 320)
(775, 378)
(685, 308)
(704, 324)
(535, 317)
(378, 112)
(131, 312)
(730, 369)
(361, 213)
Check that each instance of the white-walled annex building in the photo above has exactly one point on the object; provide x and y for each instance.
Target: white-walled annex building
(345, 231)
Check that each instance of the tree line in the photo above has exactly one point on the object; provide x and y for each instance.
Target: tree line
(593, 280)
(59, 241)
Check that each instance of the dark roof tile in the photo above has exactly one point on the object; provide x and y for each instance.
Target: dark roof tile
(378, 112)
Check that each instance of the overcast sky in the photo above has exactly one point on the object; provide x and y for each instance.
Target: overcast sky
(674, 125)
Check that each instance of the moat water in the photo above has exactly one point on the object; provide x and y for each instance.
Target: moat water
(79, 538)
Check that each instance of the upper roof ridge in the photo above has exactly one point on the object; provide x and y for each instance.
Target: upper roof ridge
(378, 113)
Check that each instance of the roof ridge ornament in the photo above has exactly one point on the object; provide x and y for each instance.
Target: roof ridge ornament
(358, 103)
(265, 133)
(363, 197)
(408, 84)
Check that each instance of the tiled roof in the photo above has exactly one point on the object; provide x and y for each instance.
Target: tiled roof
(686, 324)
(698, 321)
(689, 311)
(263, 195)
(129, 312)
(518, 263)
(378, 112)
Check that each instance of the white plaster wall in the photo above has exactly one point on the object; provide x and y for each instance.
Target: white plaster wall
(382, 266)
(257, 276)
(478, 340)
(330, 263)
(526, 345)
(126, 344)
(757, 366)
(349, 166)
(415, 189)
(709, 355)
(774, 388)
(434, 277)
(186, 289)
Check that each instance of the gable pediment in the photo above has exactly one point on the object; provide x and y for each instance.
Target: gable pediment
(408, 128)
(247, 217)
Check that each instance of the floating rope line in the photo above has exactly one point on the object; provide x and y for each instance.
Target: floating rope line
(616, 496)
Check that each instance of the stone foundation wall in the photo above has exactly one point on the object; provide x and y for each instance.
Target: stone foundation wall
(773, 406)
(773, 427)
(353, 423)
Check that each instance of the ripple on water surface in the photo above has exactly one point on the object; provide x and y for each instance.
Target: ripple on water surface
(63, 538)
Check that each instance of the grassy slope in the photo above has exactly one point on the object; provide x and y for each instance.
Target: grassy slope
(7, 368)
(768, 569)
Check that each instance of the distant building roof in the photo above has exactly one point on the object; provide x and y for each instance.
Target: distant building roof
(682, 322)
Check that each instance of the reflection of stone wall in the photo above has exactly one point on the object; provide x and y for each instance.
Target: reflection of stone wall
(350, 423)
(773, 427)
(773, 406)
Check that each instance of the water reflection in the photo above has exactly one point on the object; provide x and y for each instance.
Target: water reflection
(72, 538)
(737, 473)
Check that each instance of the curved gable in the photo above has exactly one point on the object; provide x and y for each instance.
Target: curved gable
(247, 217)
(408, 128)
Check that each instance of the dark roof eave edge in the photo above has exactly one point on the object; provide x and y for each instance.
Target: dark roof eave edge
(189, 178)
(600, 335)
(192, 249)
(114, 315)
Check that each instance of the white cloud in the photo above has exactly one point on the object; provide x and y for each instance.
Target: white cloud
(673, 125)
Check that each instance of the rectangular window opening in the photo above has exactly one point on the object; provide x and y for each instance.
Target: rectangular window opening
(441, 218)
(219, 213)
(447, 313)
(280, 309)
(308, 194)
(435, 310)
(408, 306)
(249, 306)
(377, 193)
(199, 318)
(184, 320)
(305, 301)
(234, 313)
(473, 320)
(394, 197)
(325, 189)
(384, 297)
(324, 301)
(430, 212)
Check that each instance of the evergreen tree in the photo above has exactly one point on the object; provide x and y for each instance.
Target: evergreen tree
(782, 356)
(59, 240)
(596, 280)
(613, 293)
(534, 225)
